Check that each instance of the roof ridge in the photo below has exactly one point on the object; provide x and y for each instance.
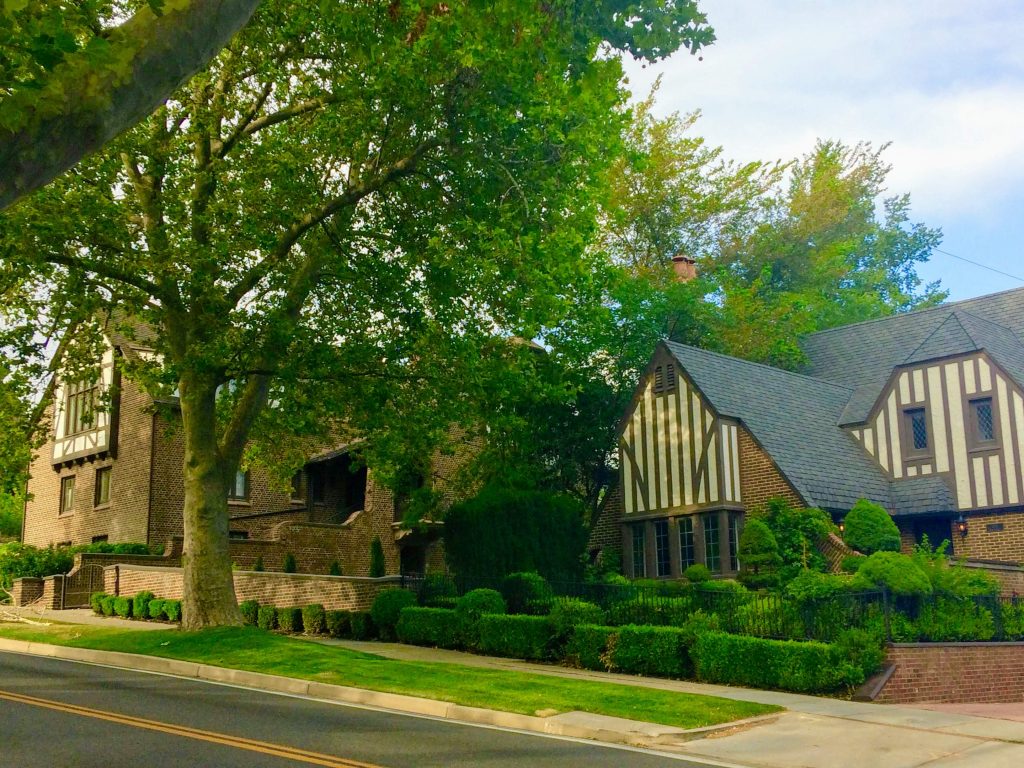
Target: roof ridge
(954, 315)
(773, 368)
(985, 320)
(950, 306)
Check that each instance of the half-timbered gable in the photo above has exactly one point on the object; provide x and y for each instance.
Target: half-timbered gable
(84, 417)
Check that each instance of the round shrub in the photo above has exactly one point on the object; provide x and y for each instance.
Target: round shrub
(870, 529)
(140, 604)
(123, 607)
(250, 611)
(314, 619)
(893, 571)
(107, 605)
(339, 623)
(172, 610)
(156, 609)
(527, 593)
(811, 585)
(759, 556)
(481, 601)
(573, 612)
(697, 573)
(387, 608)
(96, 602)
(266, 617)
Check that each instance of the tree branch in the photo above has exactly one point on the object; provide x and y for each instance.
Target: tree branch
(164, 52)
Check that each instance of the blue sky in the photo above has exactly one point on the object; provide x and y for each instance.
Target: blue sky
(943, 81)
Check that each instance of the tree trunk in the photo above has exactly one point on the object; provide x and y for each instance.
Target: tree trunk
(208, 584)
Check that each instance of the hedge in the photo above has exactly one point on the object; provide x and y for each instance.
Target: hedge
(156, 609)
(107, 605)
(289, 619)
(140, 604)
(386, 609)
(266, 617)
(314, 619)
(468, 610)
(172, 610)
(362, 626)
(788, 665)
(515, 636)
(587, 646)
(339, 623)
(96, 602)
(431, 627)
(123, 607)
(571, 612)
(250, 610)
(656, 651)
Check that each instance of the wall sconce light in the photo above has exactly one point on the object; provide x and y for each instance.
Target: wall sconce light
(842, 527)
(961, 526)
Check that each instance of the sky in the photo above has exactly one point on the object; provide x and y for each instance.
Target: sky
(942, 81)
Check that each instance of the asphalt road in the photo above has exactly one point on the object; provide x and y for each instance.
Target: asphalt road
(56, 714)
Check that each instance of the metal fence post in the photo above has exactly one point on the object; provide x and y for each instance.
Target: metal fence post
(885, 613)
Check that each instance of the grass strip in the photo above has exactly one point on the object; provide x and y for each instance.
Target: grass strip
(255, 650)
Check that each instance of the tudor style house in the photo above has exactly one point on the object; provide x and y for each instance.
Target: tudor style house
(921, 412)
(112, 471)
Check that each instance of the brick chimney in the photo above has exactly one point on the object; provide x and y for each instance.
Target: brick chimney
(684, 267)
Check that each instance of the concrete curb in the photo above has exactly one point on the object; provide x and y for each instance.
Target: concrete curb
(579, 725)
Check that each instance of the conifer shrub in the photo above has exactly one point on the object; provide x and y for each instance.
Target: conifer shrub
(314, 619)
(123, 607)
(362, 625)
(378, 565)
(172, 610)
(140, 604)
(869, 529)
(334, 569)
(759, 556)
(527, 593)
(156, 609)
(900, 574)
(290, 565)
(107, 605)
(96, 602)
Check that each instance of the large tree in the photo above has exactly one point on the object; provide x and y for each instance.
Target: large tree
(327, 225)
(76, 73)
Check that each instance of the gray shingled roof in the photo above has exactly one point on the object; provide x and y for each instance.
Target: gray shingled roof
(794, 417)
(920, 496)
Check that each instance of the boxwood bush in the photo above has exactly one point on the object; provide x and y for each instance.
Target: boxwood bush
(96, 602)
(527, 593)
(387, 607)
(156, 609)
(570, 612)
(140, 604)
(339, 623)
(123, 607)
(172, 610)
(656, 651)
(788, 665)
(468, 610)
(515, 636)
(431, 627)
(587, 646)
(266, 617)
(314, 619)
(362, 625)
(289, 619)
(250, 610)
(107, 605)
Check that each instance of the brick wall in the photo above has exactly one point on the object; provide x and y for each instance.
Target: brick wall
(125, 518)
(283, 590)
(1011, 577)
(760, 479)
(974, 673)
(26, 590)
(606, 530)
(993, 537)
(835, 550)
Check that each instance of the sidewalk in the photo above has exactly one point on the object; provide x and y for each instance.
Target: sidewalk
(814, 731)
(82, 616)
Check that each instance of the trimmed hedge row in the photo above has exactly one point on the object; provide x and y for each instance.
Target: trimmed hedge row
(311, 619)
(143, 606)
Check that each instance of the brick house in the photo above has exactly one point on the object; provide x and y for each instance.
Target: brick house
(921, 412)
(114, 473)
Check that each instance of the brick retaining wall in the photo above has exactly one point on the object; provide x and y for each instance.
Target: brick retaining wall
(283, 590)
(1011, 577)
(955, 673)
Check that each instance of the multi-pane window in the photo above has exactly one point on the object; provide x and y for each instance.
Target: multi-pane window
(712, 538)
(67, 495)
(239, 486)
(917, 429)
(983, 420)
(734, 542)
(639, 546)
(687, 549)
(663, 557)
(80, 403)
(101, 494)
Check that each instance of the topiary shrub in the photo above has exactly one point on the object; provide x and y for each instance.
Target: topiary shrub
(378, 565)
(172, 610)
(869, 529)
(258, 567)
(802, 667)
(697, 573)
(339, 623)
(430, 627)
(140, 604)
(362, 625)
(107, 605)
(289, 619)
(123, 607)
(314, 619)
(572, 612)
(437, 591)
(527, 593)
(587, 646)
(515, 637)
(250, 610)
(504, 531)
(290, 565)
(759, 556)
(95, 602)
(156, 609)
(891, 570)
(386, 609)
(266, 617)
(656, 651)
(468, 610)
(334, 569)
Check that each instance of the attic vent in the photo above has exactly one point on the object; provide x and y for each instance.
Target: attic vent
(664, 378)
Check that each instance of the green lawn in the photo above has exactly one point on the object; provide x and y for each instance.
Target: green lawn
(259, 651)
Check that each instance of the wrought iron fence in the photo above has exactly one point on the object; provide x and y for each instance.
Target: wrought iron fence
(935, 618)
